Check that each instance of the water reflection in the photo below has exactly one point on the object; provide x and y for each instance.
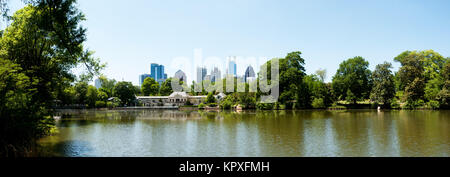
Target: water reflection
(250, 133)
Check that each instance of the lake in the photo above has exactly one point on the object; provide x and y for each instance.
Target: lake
(173, 133)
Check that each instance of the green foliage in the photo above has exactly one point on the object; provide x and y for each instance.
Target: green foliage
(100, 104)
(166, 87)
(383, 90)
(290, 79)
(81, 89)
(434, 104)
(91, 96)
(39, 49)
(107, 85)
(247, 100)
(317, 89)
(210, 98)
(201, 106)
(411, 104)
(318, 103)
(150, 87)
(125, 92)
(353, 80)
(265, 106)
(226, 104)
(395, 104)
(102, 96)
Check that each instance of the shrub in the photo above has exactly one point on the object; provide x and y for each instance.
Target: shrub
(212, 104)
(110, 104)
(414, 104)
(318, 103)
(434, 104)
(395, 104)
(265, 106)
(100, 104)
(201, 106)
(226, 104)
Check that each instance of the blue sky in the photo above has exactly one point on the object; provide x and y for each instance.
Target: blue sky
(129, 35)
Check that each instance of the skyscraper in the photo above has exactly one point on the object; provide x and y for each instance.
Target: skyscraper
(98, 83)
(215, 75)
(201, 74)
(157, 73)
(249, 74)
(232, 66)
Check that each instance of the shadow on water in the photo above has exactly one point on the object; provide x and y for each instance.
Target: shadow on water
(72, 148)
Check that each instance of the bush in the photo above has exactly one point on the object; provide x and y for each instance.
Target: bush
(201, 106)
(212, 105)
(434, 104)
(226, 104)
(395, 104)
(414, 104)
(110, 104)
(318, 103)
(265, 106)
(100, 104)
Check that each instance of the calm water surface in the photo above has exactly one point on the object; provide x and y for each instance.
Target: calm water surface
(172, 133)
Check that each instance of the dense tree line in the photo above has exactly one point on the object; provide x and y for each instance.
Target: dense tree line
(421, 82)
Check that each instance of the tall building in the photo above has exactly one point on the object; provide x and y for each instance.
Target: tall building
(201, 74)
(249, 74)
(232, 66)
(181, 76)
(215, 75)
(157, 73)
(142, 77)
(98, 83)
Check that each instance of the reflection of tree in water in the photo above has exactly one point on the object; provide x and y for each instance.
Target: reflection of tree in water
(167, 114)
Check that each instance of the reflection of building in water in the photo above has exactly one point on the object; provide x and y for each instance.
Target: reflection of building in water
(175, 99)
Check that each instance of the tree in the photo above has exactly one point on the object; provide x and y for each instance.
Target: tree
(444, 95)
(210, 98)
(102, 96)
(411, 75)
(290, 79)
(91, 96)
(107, 85)
(383, 90)
(150, 87)
(81, 89)
(166, 87)
(353, 77)
(125, 92)
(44, 42)
(317, 92)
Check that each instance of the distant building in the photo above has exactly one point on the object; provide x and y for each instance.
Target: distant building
(142, 77)
(207, 78)
(157, 71)
(181, 76)
(215, 75)
(98, 83)
(249, 74)
(174, 99)
(201, 74)
(232, 66)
